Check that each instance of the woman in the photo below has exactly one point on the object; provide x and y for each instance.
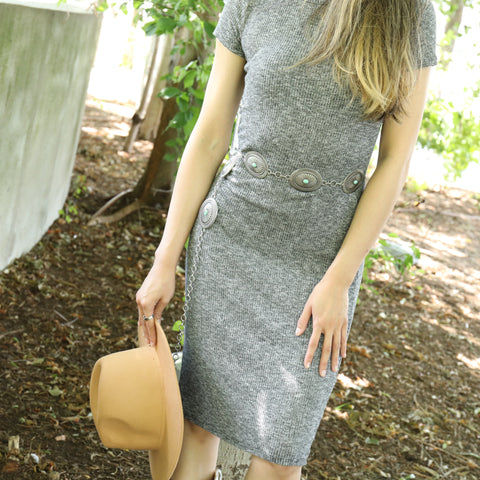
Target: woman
(276, 254)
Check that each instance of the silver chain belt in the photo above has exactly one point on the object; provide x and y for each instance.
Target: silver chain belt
(303, 179)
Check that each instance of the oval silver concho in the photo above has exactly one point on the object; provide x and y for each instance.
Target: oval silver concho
(353, 181)
(305, 180)
(228, 167)
(255, 164)
(208, 212)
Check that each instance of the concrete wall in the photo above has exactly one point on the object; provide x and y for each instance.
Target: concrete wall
(45, 59)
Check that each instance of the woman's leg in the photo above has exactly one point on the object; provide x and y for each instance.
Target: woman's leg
(198, 457)
(261, 469)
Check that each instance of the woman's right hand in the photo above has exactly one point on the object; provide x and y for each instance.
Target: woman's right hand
(153, 296)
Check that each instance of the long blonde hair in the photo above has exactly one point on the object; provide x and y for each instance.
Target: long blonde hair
(375, 48)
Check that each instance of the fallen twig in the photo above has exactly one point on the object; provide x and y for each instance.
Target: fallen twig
(136, 205)
(99, 212)
(11, 332)
(68, 323)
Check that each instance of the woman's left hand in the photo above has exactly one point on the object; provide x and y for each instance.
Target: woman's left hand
(327, 305)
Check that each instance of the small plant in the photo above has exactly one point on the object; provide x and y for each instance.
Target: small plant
(391, 254)
(190, 82)
(67, 212)
(78, 188)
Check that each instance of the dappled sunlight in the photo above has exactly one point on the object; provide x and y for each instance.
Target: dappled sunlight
(356, 384)
(451, 244)
(454, 331)
(122, 110)
(119, 118)
(473, 363)
(110, 133)
(289, 380)
(104, 131)
(262, 413)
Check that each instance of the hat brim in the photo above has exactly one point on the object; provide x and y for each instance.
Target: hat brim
(164, 461)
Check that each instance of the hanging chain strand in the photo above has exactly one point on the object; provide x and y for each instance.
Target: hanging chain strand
(188, 293)
(191, 280)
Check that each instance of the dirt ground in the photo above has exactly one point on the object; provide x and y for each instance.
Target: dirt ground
(407, 403)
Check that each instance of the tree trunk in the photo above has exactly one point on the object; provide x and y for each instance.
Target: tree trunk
(233, 462)
(154, 106)
(139, 115)
(157, 181)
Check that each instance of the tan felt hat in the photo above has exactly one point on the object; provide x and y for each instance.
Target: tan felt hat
(136, 404)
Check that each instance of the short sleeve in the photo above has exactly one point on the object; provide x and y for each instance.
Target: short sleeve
(230, 26)
(427, 35)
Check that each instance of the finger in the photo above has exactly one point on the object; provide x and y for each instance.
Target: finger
(158, 310)
(149, 329)
(326, 350)
(344, 339)
(146, 317)
(336, 350)
(303, 320)
(312, 347)
(139, 308)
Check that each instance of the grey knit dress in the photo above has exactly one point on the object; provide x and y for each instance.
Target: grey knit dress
(272, 224)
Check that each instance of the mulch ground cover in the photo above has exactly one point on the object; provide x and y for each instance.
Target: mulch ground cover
(407, 403)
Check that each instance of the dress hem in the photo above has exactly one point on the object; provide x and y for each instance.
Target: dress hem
(281, 460)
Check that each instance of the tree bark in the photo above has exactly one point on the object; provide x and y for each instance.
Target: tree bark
(156, 182)
(148, 128)
(157, 179)
(139, 115)
(233, 462)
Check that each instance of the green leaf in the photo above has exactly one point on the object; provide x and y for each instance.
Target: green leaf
(177, 326)
(102, 6)
(55, 391)
(198, 94)
(189, 78)
(209, 28)
(165, 25)
(170, 92)
(372, 441)
(183, 103)
(150, 29)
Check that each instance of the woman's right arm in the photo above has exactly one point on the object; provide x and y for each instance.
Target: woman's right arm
(205, 150)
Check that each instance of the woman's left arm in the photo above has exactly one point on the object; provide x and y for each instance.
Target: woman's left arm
(328, 302)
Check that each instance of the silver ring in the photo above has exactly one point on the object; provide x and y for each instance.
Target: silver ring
(151, 317)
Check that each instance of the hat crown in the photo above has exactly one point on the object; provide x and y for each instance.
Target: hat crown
(137, 421)
(136, 404)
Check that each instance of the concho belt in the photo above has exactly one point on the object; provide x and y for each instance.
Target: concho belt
(303, 179)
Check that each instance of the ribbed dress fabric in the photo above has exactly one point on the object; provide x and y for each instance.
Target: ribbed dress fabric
(242, 376)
